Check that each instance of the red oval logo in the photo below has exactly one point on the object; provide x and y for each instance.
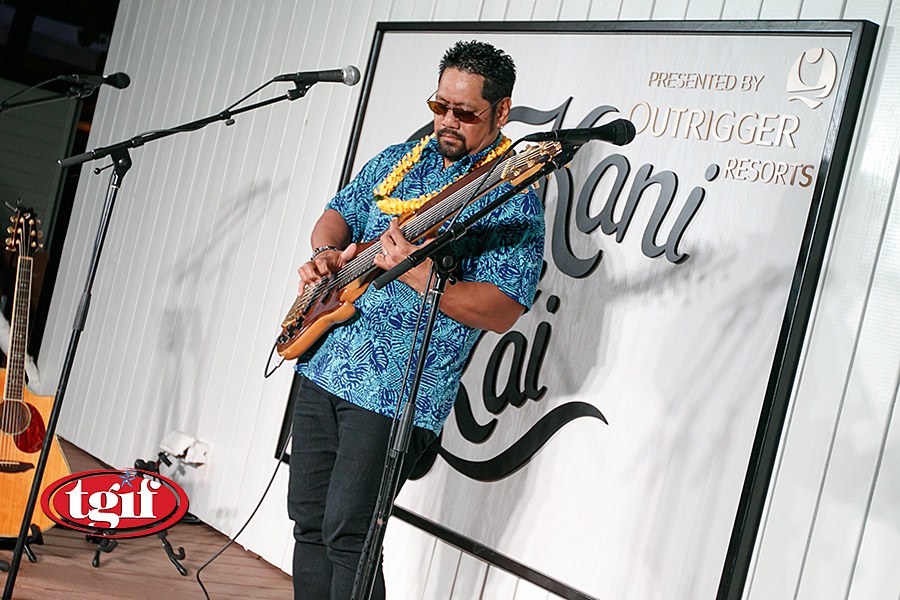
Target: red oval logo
(115, 504)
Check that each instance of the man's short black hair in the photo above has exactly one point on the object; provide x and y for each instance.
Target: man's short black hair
(481, 58)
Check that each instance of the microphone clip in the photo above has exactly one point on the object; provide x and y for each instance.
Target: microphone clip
(299, 90)
(83, 90)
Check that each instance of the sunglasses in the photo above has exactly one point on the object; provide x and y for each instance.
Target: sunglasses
(463, 116)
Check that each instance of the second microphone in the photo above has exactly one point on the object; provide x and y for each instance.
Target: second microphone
(618, 132)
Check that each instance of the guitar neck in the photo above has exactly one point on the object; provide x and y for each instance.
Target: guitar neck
(18, 331)
(435, 212)
(432, 214)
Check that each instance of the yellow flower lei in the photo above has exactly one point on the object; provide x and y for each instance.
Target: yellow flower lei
(395, 206)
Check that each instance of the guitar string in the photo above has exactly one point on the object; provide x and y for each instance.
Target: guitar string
(420, 223)
(18, 354)
(12, 414)
(8, 408)
(8, 419)
(362, 262)
(7, 423)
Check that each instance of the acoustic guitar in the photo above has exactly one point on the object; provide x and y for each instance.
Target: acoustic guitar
(22, 414)
(330, 300)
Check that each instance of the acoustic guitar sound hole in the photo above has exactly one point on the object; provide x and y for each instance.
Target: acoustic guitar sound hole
(15, 417)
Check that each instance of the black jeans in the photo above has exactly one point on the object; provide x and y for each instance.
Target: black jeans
(337, 456)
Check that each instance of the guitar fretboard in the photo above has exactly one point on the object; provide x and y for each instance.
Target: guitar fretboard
(415, 227)
(18, 332)
(436, 212)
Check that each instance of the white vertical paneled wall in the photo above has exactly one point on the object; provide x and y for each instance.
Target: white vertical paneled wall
(209, 227)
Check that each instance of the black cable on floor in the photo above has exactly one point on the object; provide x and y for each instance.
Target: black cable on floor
(252, 514)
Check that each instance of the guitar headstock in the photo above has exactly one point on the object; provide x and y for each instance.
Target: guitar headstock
(529, 158)
(24, 233)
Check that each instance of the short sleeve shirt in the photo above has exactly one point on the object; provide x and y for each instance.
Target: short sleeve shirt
(363, 359)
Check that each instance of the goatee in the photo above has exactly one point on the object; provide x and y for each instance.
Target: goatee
(451, 152)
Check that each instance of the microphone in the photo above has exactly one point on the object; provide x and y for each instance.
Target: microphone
(618, 132)
(349, 75)
(117, 80)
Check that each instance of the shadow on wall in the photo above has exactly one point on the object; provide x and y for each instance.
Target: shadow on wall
(704, 400)
(200, 284)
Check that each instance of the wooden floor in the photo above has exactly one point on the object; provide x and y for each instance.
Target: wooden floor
(139, 568)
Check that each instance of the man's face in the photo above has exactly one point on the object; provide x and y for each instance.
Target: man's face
(460, 90)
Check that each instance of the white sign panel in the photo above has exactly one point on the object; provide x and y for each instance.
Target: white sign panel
(604, 443)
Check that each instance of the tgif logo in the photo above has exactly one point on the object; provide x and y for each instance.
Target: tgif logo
(115, 504)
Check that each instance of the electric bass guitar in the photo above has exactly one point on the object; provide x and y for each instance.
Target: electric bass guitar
(330, 300)
(22, 414)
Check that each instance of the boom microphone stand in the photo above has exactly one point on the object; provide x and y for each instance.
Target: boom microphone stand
(121, 164)
(443, 264)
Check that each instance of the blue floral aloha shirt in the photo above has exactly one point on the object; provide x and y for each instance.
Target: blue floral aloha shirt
(363, 359)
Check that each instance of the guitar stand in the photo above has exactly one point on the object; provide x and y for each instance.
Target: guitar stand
(36, 538)
(107, 545)
(173, 556)
(103, 545)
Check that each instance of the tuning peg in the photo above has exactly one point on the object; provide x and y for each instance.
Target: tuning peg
(9, 229)
(40, 246)
(34, 244)
(40, 234)
(31, 221)
(9, 241)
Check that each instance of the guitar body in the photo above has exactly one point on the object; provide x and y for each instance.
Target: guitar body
(19, 452)
(331, 309)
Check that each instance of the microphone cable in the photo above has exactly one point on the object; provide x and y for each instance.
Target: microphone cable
(28, 89)
(265, 493)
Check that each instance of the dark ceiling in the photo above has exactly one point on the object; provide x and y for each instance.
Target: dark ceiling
(40, 39)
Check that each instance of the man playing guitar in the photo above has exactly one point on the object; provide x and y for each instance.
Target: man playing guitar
(351, 383)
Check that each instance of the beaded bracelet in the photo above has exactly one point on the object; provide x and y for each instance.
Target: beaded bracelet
(321, 249)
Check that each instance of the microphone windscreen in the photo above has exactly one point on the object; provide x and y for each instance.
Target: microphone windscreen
(351, 75)
(118, 80)
(623, 132)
